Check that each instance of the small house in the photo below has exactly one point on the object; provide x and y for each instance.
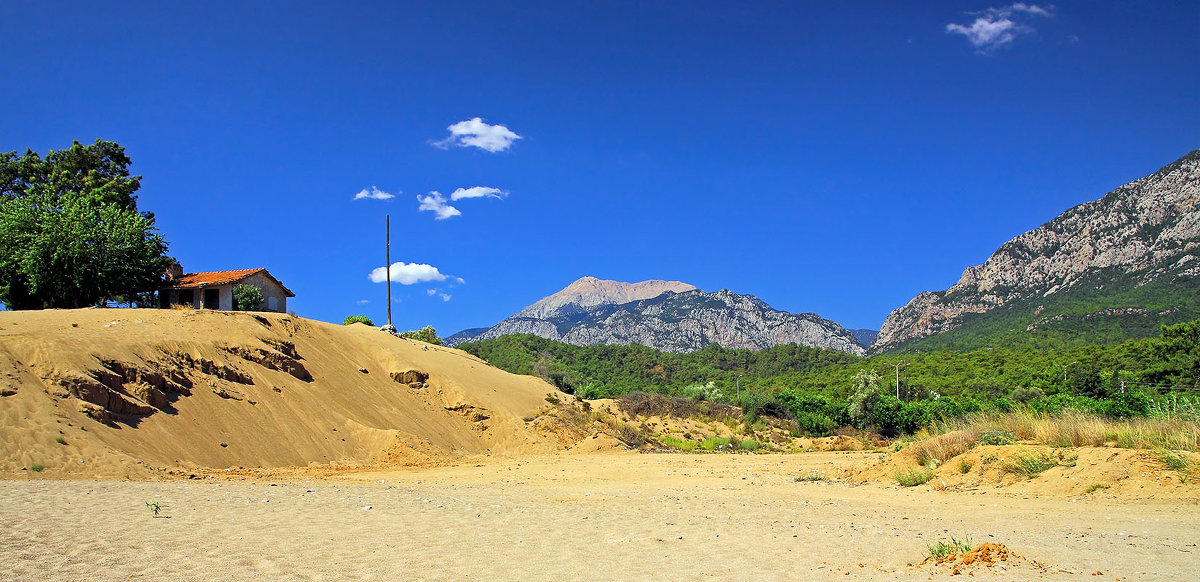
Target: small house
(214, 289)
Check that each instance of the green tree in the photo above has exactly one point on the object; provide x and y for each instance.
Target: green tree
(426, 334)
(358, 319)
(247, 298)
(70, 231)
(865, 397)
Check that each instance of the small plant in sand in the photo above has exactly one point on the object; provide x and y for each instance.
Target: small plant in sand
(913, 476)
(37, 468)
(989, 458)
(1094, 487)
(154, 508)
(810, 477)
(60, 440)
(963, 466)
(941, 548)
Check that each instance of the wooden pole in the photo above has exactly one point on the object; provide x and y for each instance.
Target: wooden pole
(388, 268)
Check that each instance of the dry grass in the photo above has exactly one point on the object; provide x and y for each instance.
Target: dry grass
(941, 448)
(1069, 429)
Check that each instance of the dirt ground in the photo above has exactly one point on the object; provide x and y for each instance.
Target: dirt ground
(578, 517)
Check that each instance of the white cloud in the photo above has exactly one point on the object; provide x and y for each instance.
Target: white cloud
(476, 133)
(438, 293)
(411, 273)
(436, 203)
(363, 301)
(444, 296)
(996, 27)
(477, 192)
(373, 193)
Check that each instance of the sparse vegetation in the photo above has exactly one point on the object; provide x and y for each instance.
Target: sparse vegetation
(963, 466)
(1094, 487)
(997, 437)
(809, 477)
(942, 549)
(1030, 465)
(913, 476)
(155, 507)
(1174, 460)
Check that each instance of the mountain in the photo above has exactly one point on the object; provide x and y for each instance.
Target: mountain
(665, 315)
(864, 336)
(1103, 271)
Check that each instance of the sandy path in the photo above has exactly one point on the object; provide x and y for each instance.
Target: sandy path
(599, 517)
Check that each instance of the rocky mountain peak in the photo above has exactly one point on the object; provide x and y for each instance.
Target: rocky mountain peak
(588, 292)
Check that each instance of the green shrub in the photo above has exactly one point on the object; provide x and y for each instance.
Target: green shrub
(749, 445)
(247, 298)
(358, 319)
(997, 437)
(810, 477)
(913, 476)
(815, 424)
(37, 468)
(426, 334)
(1094, 487)
(680, 444)
(963, 466)
(714, 443)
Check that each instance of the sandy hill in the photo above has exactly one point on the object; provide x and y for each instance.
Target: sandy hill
(113, 392)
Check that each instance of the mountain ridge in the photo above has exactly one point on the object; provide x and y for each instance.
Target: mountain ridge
(678, 318)
(1082, 269)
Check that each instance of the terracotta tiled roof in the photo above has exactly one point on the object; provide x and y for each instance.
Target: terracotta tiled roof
(197, 280)
(214, 277)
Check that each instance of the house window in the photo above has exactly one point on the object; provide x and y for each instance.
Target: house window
(272, 304)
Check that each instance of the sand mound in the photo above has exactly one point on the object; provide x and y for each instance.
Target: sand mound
(1097, 472)
(115, 392)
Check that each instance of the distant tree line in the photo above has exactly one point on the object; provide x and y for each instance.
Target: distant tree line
(825, 389)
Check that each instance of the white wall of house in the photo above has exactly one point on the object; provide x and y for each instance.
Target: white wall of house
(274, 299)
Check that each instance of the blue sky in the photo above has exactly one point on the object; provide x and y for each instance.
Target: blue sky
(835, 157)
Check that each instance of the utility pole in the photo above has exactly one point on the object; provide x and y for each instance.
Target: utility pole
(739, 387)
(387, 269)
(897, 367)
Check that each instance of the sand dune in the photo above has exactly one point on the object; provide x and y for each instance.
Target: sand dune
(116, 392)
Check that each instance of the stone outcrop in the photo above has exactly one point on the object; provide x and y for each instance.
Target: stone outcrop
(668, 316)
(1142, 232)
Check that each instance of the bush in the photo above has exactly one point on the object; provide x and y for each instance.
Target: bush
(426, 334)
(997, 437)
(358, 319)
(247, 298)
(1023, 395)
(814, 423)
(913, 476)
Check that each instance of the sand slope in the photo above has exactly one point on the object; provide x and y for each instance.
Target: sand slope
(107, 392)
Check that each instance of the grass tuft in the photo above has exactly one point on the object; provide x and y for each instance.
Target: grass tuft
(944, 549)
(1094, 487)
(1030, 465)
(811, 477)
(1175, 461)
(913, 476)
